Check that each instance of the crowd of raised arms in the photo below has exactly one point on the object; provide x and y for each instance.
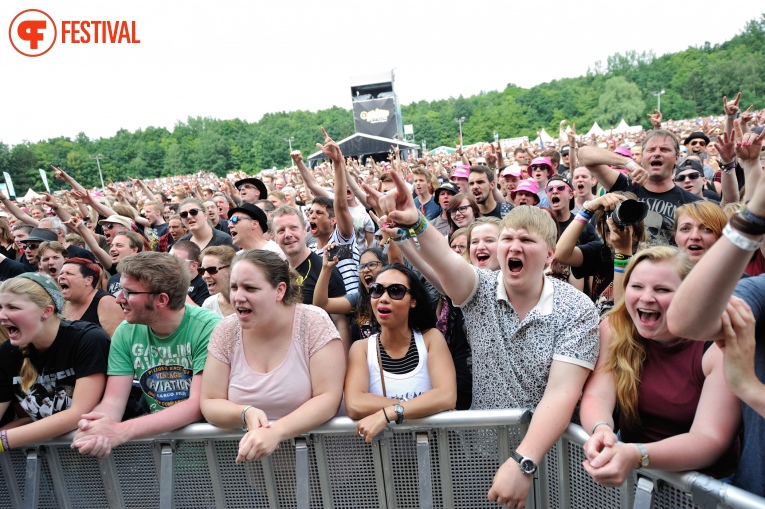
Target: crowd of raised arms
(620, 276)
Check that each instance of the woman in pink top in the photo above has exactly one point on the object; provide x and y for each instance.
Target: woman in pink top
(272, 360)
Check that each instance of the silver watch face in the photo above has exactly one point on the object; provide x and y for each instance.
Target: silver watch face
(528, 466)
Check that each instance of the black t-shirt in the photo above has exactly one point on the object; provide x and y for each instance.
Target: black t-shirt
(589, 234)
(598, 262)
(160, 229)
(114, 286)
(198, 290)
(80, 349)
(11, 268)
(661, 206)
(309, 271)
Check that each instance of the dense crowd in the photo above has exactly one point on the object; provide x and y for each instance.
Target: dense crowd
(615, 281)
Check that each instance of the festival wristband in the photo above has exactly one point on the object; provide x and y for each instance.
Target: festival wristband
(739, 240)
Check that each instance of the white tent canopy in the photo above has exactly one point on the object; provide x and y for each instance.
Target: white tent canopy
(623, 128)
(596, 130)
(31, 195)
(543, 136)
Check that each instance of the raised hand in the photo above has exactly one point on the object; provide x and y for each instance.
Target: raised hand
(726, 147)
(731, 108)
(749, 145)
(655, 119)
(330, 148)
(297, 157)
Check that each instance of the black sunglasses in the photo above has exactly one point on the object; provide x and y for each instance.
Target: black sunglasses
(30, 246)
(211, 270)
(396, 291)
(691, 176)
(193, 212)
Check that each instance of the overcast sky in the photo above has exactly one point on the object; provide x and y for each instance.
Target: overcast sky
(237, 58)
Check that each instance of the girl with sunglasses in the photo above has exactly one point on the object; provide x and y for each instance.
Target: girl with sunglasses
(194, 216)
(356, 303)
(405, 371)
(215, 269)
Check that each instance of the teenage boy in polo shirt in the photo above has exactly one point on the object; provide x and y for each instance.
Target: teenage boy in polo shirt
(534, 339)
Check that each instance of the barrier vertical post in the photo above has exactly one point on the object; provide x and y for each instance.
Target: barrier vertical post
(643, 493)
(424, 475)
(166, 471)
(6, 465)
(32, 479)
(302, 479)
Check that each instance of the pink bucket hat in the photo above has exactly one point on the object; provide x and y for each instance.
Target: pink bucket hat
(460, 172)
(528, 185)
(539, 161)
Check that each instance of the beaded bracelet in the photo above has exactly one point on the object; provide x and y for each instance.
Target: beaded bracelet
(728, 167)
(414, 231)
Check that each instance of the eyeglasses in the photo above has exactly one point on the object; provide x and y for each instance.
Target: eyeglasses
(396, 291)
(30, 246)
(236, 219)
(559, 188)
(127, 293)
(193, 212)
(461, 210)
(370, 265)
(691, 176)
(247, 186)
(211, 270)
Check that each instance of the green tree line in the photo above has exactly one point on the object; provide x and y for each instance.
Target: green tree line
(694, 82)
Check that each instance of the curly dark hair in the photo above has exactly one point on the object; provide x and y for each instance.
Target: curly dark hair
(422, 317)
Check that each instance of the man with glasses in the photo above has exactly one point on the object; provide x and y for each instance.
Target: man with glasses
(247, 225)
(696, 144)
(162, 344)
(690, 176)
(251, 189)
(32, 245)
(189, 253)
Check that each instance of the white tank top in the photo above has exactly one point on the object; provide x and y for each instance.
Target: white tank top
(409, 385)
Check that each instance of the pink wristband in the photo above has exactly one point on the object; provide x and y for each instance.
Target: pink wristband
(580, 219)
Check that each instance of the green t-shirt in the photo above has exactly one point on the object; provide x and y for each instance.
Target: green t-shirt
(163, 366)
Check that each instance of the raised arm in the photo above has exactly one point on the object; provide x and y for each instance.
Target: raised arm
(434, 248)
(321, 298)
(104, 258)
(598, 160)
(307, 175)
(342, 213)
(17, 212)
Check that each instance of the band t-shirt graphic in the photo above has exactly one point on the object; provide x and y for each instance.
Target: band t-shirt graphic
(79, 350)
(164, 367)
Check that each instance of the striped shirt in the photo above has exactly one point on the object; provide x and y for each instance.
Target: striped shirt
(349, 269)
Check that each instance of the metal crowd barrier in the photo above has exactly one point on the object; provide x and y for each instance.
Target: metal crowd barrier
(444, 461)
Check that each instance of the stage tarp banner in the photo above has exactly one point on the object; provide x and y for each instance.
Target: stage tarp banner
(376, 117)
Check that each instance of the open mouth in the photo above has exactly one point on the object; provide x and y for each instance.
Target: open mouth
(368, 279)
(656, 163)
(312, 225)
(383, 311)
(580, 186)
(13, 332)
(52, 271)
(695, 249)
(648, 316)
(514, 265)
(554, 200)
(211, 284)
(482, 258)
(243, 312)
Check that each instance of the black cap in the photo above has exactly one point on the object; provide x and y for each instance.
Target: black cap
(41, 235)
(254, 212)
(560, 178)
(698, 135)
(257, 183)
(447, 186)
(690, 164)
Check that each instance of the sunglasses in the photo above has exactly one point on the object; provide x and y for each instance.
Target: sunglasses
(109, 226)
(461, 210)
(538, 168)
(370, 265)
(396, 291)
(211, 270)
(30, 246)
(690, 176)
(193, 212)
(698, 142)
(236, 219)
(559, 188)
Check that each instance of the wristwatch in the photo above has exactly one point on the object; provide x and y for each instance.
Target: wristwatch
(399, 413)
(526, 465)
(644, 459)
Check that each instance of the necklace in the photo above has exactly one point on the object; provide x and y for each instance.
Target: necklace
(302, 278)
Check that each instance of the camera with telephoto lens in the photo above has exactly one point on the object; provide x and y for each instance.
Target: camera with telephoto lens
(629, 213)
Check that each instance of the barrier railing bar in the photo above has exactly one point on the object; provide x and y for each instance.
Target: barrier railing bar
(166, 474)
(215, 476)
(319, 450)
(445, 468)
(302, 478)
(643, 493)
(32, 478)
(109, 478)
(424, 473)
(6, 465)
(382, 493)
(57, 476)
(268, 477)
